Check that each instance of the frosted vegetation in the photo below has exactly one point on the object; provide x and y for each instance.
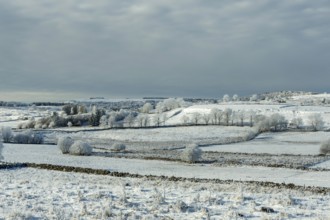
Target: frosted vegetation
(284, 133)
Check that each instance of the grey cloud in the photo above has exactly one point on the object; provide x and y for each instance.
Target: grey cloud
(177, 48)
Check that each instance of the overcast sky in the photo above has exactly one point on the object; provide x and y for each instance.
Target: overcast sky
(189, 48)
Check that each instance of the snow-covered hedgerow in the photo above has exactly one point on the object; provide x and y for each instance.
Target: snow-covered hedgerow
(325, 147)
(1, 147)
(80, 148)
(118, 147)
(64, 144)
(7, 134)
(29, 137)
(191, 154)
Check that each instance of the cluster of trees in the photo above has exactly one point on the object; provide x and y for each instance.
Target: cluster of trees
(74, 109)
(220, 117)
(274, 122)
(169, 104)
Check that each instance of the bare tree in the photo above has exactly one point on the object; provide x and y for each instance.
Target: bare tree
(140, 120)
(196, 117)
(227, 114)
(206, 118)
(156, 120)
(216, 116)
(297, 122)
(164, 118)
(241, 116)
(129, 120)
(316, 121)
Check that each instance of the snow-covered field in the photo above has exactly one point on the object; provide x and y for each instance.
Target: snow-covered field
(50, 154)
(161, 138)
(42, 194)
(230, 181)
(295, 143)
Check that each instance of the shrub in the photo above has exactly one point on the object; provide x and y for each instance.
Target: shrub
(325, 147)
(191, 154)
(6, 134)
(118, 147)
(64, 144)
(1, 148)
(28, 137)
(80, 148)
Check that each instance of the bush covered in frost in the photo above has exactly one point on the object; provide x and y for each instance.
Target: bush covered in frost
(191, 154)
(64, 144)
(118, 147)
(80, 148)
(325, 147)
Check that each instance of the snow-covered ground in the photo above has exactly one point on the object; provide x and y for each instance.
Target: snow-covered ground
(50, 154)
(161, 138)
(42, 194)
(296, 143)
(28, 193)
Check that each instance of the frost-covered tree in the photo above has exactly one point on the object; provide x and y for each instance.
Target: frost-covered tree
(297, 122)
(226, 98)
(7, 134)
(64, 144)
(80, 148)
(191, 153)
(227, 114)
(112, 121)
(164, 118)
(196, 117)
(216, 116)
(169, 104)
(96, 115)
(104, 121)
(142, 120)
(241, 116)
(206, 118)
(156, 120)
(316, 121)
(254, 98)
(278, 122)
(129, 120)
(147, 107)
(235, 98)
(262, 123)
(251, 114)
(1, 148)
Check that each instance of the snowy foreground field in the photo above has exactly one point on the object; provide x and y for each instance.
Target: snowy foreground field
(42, 194)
